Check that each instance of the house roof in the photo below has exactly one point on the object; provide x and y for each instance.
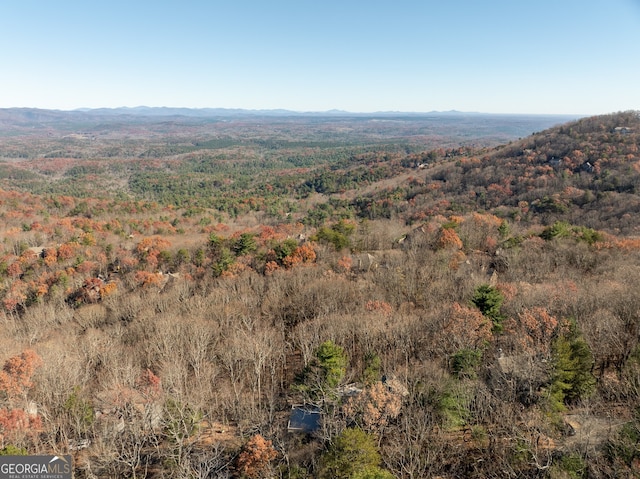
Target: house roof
(304, 418)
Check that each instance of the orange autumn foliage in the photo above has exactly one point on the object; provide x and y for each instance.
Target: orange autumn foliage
(67, 250)
(14, 269)
(270, 267)
(17, 420)
(345, 264)
(533, 330)
(304, 254)
(465, 328)
(257, 454)
(382, 307)
(448, 238)
(16, 374)
(149, 245)
(145, 278)
(108, 289)
(50, 256)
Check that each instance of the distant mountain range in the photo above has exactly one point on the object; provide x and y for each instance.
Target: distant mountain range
(239, 112)
(464, 126)
(217, 112)
(145, 111)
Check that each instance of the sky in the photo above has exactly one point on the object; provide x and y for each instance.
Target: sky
(579, 57)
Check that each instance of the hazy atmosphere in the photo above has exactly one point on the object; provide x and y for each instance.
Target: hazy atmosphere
(565, 57)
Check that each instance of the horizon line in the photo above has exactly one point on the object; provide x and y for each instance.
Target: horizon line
(332, 111)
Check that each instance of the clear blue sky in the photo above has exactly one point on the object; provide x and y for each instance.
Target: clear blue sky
(503, 56)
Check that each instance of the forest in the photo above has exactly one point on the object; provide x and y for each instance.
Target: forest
(278, 297)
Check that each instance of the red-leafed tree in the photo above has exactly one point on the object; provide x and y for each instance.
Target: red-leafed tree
(533, 330)
(255, 459)
(464, 328)
(17, 420)
(448, 238)
(150, 384)
(17, 372)
(304, 254)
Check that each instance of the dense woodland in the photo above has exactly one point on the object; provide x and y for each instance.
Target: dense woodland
(449, 306)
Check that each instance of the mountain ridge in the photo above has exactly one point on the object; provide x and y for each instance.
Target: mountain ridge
(143, 110)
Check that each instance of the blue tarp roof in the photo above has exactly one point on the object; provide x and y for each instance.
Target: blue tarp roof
(304, 419)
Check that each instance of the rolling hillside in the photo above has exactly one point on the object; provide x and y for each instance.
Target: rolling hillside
(444, 307)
